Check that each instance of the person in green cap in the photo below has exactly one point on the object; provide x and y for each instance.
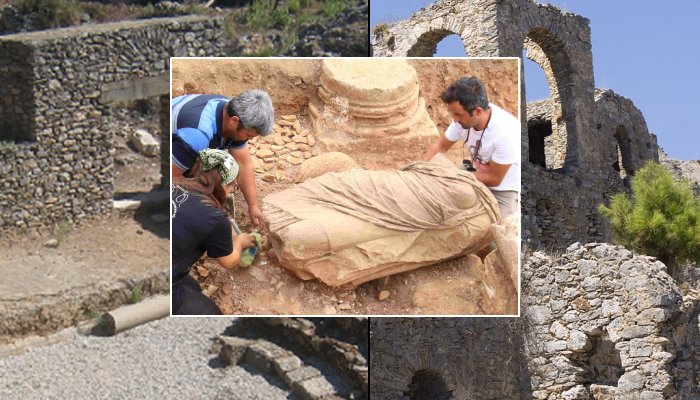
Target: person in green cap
(200, 225)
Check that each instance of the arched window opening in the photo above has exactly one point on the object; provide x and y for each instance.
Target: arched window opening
(428, 385)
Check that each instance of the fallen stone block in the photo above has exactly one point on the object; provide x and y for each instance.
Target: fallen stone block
(145, 143)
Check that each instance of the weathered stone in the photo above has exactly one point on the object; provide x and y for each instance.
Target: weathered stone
(145, 143)
(293, 160)
(265, 153)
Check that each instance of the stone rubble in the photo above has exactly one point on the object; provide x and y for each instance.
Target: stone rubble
(288, 146)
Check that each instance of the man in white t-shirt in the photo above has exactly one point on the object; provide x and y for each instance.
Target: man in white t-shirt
(491, 148)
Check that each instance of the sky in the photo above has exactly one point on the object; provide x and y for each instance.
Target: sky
(645, 50)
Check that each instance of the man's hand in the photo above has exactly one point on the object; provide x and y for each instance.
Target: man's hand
(256, 216)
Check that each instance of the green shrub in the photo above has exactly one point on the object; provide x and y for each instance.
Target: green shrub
(661, 219)
(333, 7)
(49, 14)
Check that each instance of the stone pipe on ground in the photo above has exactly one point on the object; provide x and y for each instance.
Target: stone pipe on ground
(132, 315)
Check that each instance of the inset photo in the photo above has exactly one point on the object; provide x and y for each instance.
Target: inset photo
(344, 186)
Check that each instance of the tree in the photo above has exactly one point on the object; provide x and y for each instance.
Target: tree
(661, 219)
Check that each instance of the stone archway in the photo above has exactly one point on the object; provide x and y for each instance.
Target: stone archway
(624, 164)
(428, 384)
(426, 45)
(545, 49)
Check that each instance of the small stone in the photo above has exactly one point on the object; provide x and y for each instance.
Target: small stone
(299, 139)
(303, 147)
(285, 123)
(281, 166)
(202, 271)
(293, 160)
(280, 175)
(286, 139)
(277, 139)
(268, 166)
(311, 140)
(54, 84)
(52, 243)
(145, 143)
(291, 118)
(383, 295)
(297, 154)
(282, 152)
(307, 154)
(265, 153)
(344, 307)
(268, 178)
(329, 310)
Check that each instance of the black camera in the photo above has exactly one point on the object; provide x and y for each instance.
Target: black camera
(468, 165)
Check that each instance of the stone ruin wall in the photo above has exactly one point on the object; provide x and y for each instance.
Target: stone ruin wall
(446, 358)
(599, 323)
(559, 200)
(56, 87)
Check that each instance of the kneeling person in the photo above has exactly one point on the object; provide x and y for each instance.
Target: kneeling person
(199, 225)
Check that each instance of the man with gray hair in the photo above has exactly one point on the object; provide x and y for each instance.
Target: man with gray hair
(201, 121)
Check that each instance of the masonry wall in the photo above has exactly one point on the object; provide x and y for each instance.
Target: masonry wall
(56, 152)
(599, 322)
(471, 358)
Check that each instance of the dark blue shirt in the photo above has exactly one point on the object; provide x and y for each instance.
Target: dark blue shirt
(197, 227)
(197, 124)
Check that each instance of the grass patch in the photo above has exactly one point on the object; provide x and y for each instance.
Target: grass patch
(135, 296)
(331, 8)
(97, 318)
(62, 229)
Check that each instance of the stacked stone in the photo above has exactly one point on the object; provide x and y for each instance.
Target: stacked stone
(58, 165)
(306, 380)
(600, 323)
(288, 146)
(307, 338)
